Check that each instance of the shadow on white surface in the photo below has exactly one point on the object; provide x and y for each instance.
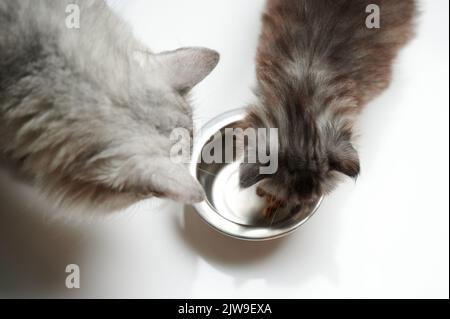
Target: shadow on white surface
(34, 251)
(308, 253)
(221, 248)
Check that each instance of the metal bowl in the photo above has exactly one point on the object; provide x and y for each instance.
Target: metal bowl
(233, 211)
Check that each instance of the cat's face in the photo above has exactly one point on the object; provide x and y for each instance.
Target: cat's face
(310, 161)
(158, 106)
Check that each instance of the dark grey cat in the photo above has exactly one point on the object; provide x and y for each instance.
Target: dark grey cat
(318, 64)
(86, 113)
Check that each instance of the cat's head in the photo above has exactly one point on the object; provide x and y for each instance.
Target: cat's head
(163, 107)
(116, 147)
(311, 157)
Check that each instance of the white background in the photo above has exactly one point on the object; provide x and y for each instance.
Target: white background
(385, 236)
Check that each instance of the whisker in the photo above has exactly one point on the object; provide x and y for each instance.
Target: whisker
(207, 172)
(273, 217)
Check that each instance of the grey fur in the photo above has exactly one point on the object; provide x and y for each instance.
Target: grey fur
(317, 66)
(86, 114)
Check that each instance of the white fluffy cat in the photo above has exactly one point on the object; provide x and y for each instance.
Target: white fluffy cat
(86, 113)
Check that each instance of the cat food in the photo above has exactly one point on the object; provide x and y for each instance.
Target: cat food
(272, 204)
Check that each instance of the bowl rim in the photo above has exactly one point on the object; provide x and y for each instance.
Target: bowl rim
(215, 219)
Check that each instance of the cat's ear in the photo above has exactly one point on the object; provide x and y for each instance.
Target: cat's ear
(186, 67)
(344, 158)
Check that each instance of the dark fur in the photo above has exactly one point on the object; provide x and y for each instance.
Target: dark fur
(317, 66)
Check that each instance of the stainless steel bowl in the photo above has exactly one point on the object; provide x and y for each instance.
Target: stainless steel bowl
(233, 211)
